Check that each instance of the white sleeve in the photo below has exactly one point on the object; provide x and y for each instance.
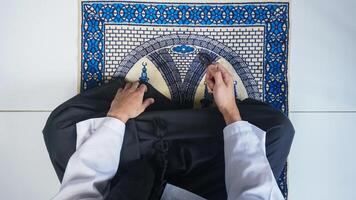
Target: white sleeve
(248, 175)
(95, 161)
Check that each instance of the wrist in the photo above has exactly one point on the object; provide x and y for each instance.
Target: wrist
(120, 116)
(231, 115)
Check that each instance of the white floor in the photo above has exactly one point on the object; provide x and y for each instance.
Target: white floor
(322, 94)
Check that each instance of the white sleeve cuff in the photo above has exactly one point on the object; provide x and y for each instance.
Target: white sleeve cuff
(109, 122)
(86, 128)
(237, 127)
(242, 129)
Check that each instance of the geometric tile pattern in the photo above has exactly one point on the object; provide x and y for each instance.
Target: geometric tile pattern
(253, 35)
(245, 41)
(183, 62)
(274, 16)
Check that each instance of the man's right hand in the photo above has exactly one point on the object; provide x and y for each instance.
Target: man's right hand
(220, 81)
(128, 102)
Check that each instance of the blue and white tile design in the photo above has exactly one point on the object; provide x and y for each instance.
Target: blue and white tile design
(273, 17)
(247, 42)
(252, 37)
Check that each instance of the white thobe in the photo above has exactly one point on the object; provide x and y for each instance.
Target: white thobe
(248, 175)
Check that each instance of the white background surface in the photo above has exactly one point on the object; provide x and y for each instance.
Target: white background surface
(38, 71)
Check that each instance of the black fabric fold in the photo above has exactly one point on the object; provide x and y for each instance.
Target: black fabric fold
(166, 143)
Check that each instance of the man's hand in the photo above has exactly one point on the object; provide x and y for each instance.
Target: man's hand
(219, 80)
(128, 102)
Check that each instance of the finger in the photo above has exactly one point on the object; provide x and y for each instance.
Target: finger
(128, 85)
(227, 77)
(147, 102)
(217, 78)
(220, 67)
(209, 83)
(118, 92)
(142, 88)
(208, 75)
(224, 72)
(134, 85)
(209, 79)
(212, 67)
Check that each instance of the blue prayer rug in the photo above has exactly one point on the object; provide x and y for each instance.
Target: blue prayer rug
(158, 43)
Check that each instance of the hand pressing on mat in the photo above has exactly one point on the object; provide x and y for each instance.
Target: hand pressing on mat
(128, 102)
(220, 81)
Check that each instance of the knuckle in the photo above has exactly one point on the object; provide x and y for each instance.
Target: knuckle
(143, 86)
(138, 92)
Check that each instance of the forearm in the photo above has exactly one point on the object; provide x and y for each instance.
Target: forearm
(248, 174)
(95, 161)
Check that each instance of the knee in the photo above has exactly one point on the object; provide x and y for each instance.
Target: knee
(286, 128)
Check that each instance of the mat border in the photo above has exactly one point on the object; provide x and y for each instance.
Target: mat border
(284, 105)
(288, 73)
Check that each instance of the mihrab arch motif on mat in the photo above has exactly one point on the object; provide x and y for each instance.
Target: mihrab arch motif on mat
(157, 51)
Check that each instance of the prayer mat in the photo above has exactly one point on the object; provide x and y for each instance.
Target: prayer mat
(158, 42)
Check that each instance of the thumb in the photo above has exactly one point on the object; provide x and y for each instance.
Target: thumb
(147, 102)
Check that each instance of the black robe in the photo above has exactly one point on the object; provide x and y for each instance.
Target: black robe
(167, 143)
